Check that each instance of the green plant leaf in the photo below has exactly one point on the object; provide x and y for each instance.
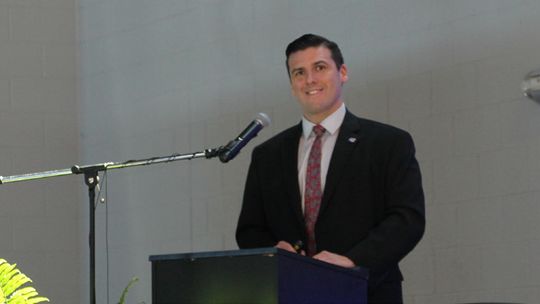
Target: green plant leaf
(124, 293)
(6, 272)
(16, 281)
(6, 267)
(25, 293)
(12, 290)
(37, 300)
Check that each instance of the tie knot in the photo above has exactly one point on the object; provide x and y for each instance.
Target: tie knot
(319, 130)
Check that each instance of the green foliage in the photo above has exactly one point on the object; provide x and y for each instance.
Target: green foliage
(124, 293)
(12, 289)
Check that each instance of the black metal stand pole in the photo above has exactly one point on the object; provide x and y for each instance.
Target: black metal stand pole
(91, 180)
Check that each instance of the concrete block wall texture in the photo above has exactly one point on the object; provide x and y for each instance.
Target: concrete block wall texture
(165, 76)
(180, 76)
(39, 221)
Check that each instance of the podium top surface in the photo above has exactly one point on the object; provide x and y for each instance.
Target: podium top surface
(214, 254)
(269, 251)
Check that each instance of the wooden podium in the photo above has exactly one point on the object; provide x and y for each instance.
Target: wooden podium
(265, 275)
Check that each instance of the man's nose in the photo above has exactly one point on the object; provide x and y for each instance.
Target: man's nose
(310, 77)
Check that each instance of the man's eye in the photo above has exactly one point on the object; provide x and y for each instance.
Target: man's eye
(320, 67)
(298, 73)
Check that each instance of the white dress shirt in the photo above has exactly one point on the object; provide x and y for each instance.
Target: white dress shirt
(328, 141)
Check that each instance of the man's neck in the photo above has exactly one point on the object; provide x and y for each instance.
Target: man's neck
(319, 117)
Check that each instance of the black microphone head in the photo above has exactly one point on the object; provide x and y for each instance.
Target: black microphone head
(234, 146)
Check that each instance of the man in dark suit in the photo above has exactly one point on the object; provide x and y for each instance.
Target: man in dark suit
(351, 193)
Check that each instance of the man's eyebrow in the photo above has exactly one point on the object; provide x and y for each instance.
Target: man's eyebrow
(315, 63)
(297, 69)
(320, 62)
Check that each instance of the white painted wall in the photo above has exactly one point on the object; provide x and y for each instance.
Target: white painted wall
(39, 221)
(162, 76)
(181, 76)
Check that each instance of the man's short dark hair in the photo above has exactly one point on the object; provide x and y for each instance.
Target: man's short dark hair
(312, 40)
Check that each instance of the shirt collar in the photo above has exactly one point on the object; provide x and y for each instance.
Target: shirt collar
(330, 123)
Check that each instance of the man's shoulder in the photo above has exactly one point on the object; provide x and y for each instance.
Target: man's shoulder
(380, 137)
(372, 127)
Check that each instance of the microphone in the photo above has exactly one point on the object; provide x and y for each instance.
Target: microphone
(234, 146)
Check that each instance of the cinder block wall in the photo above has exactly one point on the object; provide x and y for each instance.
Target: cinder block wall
(159, 77)
(39, 221)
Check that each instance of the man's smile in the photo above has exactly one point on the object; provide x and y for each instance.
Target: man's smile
(313, 91)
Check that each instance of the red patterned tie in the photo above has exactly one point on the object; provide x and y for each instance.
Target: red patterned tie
(313, 191)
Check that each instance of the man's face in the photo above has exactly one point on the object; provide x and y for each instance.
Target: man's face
(316, 82)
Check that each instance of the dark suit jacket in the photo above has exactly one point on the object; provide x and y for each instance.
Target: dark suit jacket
(372, 210)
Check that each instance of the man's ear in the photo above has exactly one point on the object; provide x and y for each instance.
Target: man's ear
(343, 73)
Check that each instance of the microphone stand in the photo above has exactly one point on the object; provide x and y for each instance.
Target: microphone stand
(91, 179)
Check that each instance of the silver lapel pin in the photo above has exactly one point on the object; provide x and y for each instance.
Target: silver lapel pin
(352, 140)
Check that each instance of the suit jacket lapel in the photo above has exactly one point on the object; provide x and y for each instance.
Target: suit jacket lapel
(289, 155)
(348, 138)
